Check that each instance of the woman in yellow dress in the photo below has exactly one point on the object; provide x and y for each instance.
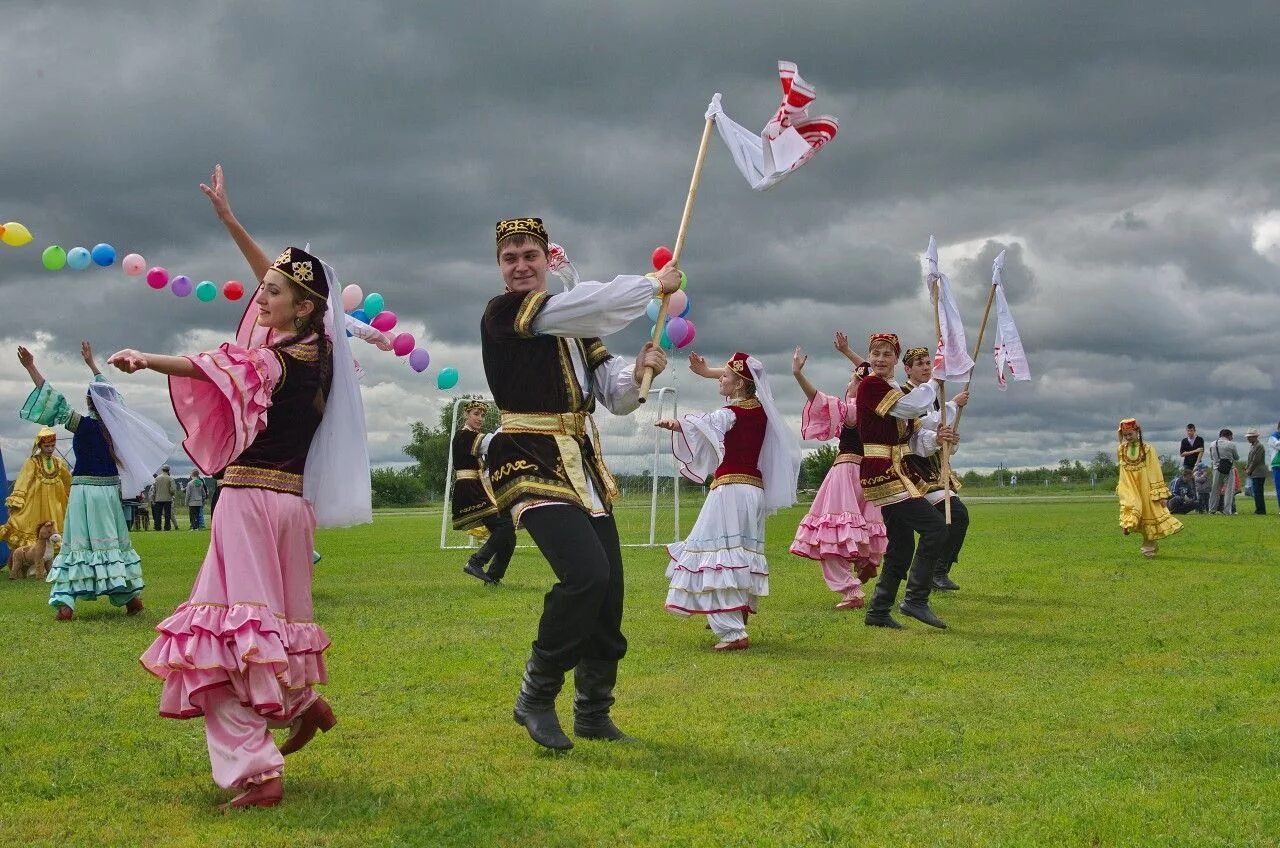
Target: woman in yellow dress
(39, 494)
(1142, 490)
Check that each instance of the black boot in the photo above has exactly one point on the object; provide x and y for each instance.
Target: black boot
(536, 705)
(882, 602)
(594, 681)
(942, 578)
(915, 602)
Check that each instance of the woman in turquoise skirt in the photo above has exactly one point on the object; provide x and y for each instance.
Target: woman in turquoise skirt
(110, 443)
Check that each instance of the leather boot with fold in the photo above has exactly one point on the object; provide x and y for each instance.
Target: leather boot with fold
(915, 602)
(536, 704)
(942, 578)
(593, 681)
(882, 602)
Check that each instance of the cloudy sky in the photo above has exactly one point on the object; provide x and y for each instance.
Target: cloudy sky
(1125, 158)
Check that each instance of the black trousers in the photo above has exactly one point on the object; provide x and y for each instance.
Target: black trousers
(958, 529)
(902, 521)
(499, 547)
(582, 614)
(162, 509)
(1259, 499)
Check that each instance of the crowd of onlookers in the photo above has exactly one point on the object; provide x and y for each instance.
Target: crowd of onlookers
(1211, 476)
(154, 504)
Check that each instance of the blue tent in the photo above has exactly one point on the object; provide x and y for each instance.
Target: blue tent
(4, 510)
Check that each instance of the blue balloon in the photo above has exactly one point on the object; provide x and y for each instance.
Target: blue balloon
(688, 304)
(348, 334)
(652, 309)
(103, 254)
(360, 315)
(78, 258)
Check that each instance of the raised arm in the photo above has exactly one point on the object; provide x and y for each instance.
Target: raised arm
(698, 365)
(86, 353)
(27, 361)
(798, 360)
(842, 345)
(258, 261)
(130, 360)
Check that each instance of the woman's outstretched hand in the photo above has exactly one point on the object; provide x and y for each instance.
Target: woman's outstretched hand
(128, 360)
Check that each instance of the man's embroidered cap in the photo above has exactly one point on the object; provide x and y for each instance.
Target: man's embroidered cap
(914, 353)
(891, 338)
(304, 270)
(531, 227)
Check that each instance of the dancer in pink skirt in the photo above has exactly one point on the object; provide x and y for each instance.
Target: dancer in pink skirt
(843, 530)
(279, 414)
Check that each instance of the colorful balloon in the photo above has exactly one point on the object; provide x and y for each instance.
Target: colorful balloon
(54, 257)
(233, 290)
(78, 259)
(684, 281)
(677, 303)
(652, 309)
(206, 291)
(103, 255)
(384, 321)
(352, 297)
(181, 285)
(14, 234)
(360, 315)
(447, 379)
(419, 359)
(665, 341)
(661, 256)
(133, 264)
(677, 329)
(373, 303)
(404, 344)
(689, 336)
(157, 278)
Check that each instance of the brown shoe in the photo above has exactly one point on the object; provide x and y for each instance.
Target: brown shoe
(265, 794)
(133, 607)
(851, 604)
(65, 613)
(319, 716)
(735, 645)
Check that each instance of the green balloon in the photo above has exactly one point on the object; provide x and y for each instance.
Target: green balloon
(664, 342)
(206, 291)
(684, 281)
(54, 258)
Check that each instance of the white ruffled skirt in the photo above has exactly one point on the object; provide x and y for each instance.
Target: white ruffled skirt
(720, 566)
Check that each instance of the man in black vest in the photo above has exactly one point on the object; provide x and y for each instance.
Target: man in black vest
(547, 368)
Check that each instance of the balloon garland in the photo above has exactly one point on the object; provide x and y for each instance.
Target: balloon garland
(679, 331)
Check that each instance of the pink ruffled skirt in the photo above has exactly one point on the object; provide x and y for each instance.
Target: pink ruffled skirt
(248, 623)
(842, 523)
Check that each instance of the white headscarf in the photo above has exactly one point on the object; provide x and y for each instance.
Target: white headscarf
(780, 454)
(139, 445)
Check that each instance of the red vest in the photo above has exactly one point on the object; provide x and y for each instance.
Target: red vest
(742, 444)
(886, 479)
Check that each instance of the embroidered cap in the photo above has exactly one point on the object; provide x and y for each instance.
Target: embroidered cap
(304, 270)
(477, 404)
(47, 436)
(1129, 424)
(738, 365)
(891, 338)
(914, 353)
(521, 227)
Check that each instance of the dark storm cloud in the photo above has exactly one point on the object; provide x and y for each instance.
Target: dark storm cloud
(1122, 156)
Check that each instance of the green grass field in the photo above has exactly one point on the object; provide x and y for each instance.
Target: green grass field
(1083, 696)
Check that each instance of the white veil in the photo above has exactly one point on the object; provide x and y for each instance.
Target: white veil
(139, 445)
(780, 454)
(336, 478)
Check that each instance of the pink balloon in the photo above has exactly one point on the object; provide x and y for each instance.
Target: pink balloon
(404, 344)
(384, 320)
(133, 264)
(692, 331)
(677, 329)
(676, 303)
(157, 278)
(352, 297)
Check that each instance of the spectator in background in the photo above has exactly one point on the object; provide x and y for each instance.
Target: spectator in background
(1182, 498)
(195, 500)
(1202, 487)
(144, 509)
(162, 499)
(1222, 492)
(1273, 459)
(1192, 448)
(1255, 468)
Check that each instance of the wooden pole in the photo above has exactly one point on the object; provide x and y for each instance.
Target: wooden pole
(942, 404)
(675, 254)
(977, 349)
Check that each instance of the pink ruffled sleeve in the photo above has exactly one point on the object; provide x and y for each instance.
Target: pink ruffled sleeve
(225, 410)
(823, 417)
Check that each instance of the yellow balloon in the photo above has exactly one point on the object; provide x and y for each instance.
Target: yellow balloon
(14, 234)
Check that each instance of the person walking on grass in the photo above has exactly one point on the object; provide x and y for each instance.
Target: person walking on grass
(1141, 489)
(547, 369)
(720, 569)
(1255, 468)
(473, 505)
(279, 413)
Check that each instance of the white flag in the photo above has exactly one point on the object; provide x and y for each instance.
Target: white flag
(788, 140)
(1008, 353)
(952, 360)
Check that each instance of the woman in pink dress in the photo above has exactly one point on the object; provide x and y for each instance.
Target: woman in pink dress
(843, 530)
(279, 414)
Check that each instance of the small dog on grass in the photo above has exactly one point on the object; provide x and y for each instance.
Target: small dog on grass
(34, 559)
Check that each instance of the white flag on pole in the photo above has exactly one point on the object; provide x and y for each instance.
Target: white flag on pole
(952, 360)
(1008, 352)
(788, 140)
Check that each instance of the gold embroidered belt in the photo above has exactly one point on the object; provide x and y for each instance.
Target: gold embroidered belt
(745, 479)
(569, 429)
(893, 453)
(249, 477)
(466, 475)
(842, 458)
